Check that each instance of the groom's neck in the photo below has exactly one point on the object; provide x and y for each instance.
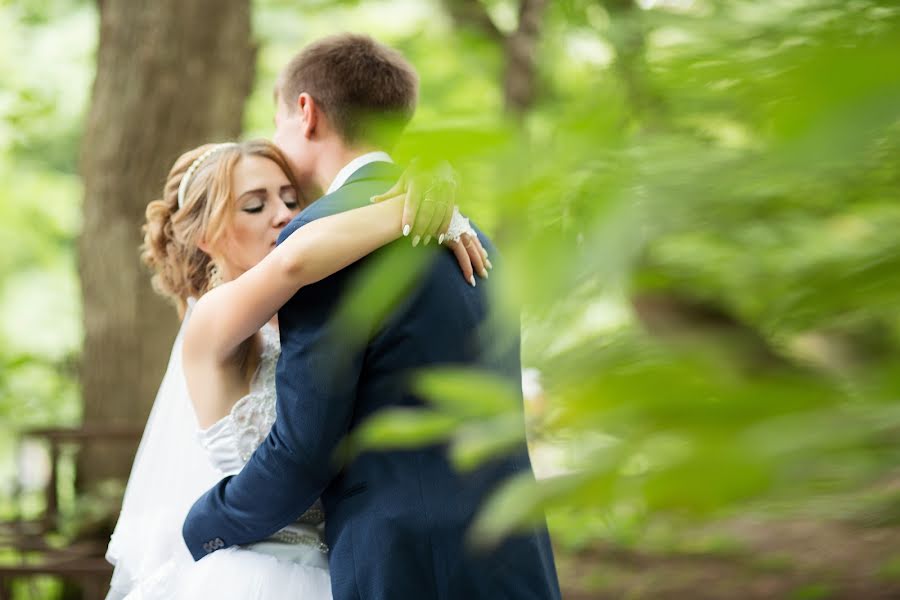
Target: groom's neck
(334, 156)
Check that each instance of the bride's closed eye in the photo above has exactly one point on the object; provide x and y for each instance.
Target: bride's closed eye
(255, 200)
(289, 197)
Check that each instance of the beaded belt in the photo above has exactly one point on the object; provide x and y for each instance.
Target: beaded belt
(306, 539)
(314, 516)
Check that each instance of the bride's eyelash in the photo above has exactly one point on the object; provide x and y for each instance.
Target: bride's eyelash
(287, 195)
(260, 197)
(253, 209)
(290, 193)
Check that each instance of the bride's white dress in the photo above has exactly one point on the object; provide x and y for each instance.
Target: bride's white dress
(293, 563)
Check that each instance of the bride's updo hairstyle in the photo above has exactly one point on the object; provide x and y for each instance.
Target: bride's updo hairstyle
(173, 233)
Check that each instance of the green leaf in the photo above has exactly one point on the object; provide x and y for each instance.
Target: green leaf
(403, 428)
(478, 441)
(468, 392)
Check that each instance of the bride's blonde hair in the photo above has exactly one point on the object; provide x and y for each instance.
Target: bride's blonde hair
(172, 234)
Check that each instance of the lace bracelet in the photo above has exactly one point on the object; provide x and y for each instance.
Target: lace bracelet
(458, 226)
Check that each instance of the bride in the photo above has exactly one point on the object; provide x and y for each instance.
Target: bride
(210, 242)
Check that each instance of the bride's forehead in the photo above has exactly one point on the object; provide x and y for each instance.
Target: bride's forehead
(257, 170)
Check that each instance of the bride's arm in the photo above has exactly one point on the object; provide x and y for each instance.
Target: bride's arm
(232, 312)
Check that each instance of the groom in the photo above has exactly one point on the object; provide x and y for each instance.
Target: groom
(395, 520)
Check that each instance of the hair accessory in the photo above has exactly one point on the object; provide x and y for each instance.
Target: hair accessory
(182, 188)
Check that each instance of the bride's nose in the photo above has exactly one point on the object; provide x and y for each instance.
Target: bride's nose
(283, 216)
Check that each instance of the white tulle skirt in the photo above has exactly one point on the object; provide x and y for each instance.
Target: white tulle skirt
(241, 574)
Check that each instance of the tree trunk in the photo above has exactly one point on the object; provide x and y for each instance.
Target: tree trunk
(171, 74)
(519, 47)
(520, 82)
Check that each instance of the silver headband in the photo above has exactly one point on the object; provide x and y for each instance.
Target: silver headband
(182, 188)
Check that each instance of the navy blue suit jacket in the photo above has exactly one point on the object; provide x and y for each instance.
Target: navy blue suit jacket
(395, 520)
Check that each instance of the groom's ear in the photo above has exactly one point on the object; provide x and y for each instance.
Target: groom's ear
(307, 107)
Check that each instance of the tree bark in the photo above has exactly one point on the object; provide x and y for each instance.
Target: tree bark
(519, 47)
(171, 75)
(520, 81)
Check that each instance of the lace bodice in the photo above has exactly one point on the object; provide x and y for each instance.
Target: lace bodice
(231, 441)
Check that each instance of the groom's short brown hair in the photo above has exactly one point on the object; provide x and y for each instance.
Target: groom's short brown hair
(367, 91)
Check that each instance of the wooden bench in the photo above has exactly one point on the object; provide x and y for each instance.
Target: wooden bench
(38, 546)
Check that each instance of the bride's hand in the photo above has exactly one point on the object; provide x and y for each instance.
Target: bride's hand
(471, 255)
(428, 214)
(430, 196)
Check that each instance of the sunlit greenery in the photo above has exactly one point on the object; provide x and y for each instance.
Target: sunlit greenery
(698, 218)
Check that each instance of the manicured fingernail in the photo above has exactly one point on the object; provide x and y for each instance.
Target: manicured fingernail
(484, 273)
(416, 241)
(488, 263)
(427, 239)
(472, 280)
(441, 239)
(406, 229)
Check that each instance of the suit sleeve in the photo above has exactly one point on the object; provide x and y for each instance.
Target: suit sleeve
(317, 381)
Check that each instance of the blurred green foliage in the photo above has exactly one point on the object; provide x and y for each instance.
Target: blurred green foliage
(45, 69)
(697, 216)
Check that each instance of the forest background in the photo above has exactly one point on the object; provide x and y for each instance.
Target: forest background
(697, 203)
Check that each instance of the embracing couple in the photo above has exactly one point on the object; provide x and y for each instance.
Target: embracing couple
(259, 269)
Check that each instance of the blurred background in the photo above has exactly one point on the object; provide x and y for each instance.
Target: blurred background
(697, 204)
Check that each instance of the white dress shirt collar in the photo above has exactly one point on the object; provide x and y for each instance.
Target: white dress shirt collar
(354, 165)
